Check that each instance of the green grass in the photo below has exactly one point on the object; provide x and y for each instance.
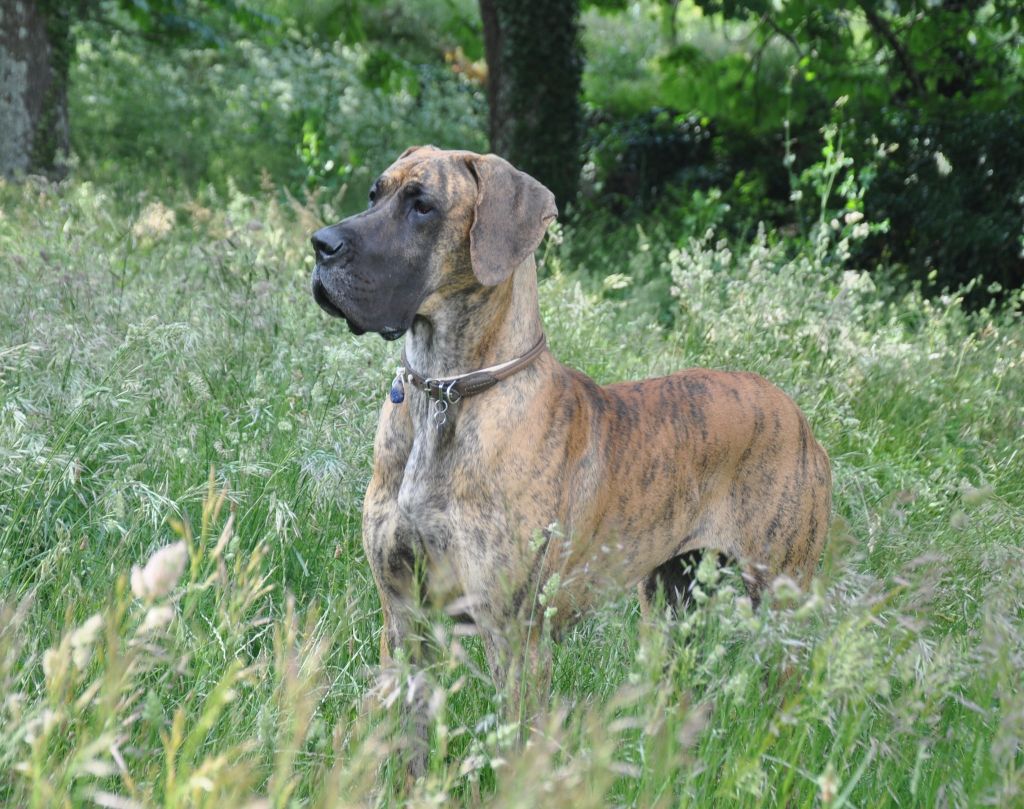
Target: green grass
(143, 350)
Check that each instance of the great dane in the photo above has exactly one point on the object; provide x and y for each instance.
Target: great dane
(514, 487)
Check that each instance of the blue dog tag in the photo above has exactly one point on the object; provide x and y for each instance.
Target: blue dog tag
(397, 391)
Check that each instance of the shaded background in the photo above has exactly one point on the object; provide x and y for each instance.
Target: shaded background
(623, 109)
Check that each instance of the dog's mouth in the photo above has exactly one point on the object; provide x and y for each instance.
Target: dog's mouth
(324, 302)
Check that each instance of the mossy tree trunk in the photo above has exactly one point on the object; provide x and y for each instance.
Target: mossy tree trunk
(535, 66)
(35, 47)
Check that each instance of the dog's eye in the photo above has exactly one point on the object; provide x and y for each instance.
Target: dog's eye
(373, 195)
(422, 207)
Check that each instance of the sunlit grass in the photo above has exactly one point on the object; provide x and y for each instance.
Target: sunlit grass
(135, 359)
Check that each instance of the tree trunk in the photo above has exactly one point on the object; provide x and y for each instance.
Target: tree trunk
(535, 67)
(35, 47)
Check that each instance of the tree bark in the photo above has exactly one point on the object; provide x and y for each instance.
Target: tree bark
(535, 67)
(35, 48)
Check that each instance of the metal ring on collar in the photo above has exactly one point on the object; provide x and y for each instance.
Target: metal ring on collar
(452, 395)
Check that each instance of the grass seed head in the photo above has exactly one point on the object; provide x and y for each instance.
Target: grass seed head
(157, 619)
(161, 572)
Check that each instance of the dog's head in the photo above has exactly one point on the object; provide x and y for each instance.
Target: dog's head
(438, 222)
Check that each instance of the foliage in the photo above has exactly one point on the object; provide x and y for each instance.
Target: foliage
(304, 114)
(953, 192)
(632, 160)
(143, 348)
(950, 73)
(212, 23)
(915, 73)
(916, 52)
(420, 31)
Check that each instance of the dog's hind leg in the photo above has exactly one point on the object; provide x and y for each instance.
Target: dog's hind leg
(755, 579)
(675, 578)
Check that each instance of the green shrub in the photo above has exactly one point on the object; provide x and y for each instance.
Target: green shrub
(952, 188)
(304, 114)
(931, 79)
(633, 159)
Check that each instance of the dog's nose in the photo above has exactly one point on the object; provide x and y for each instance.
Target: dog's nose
(328, 242)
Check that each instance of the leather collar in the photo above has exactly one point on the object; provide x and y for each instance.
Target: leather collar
(454, 388)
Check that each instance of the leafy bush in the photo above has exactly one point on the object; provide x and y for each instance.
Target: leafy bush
(930, 78)
(304, 114)
(419, 31)
(952, 189)
(631, 160)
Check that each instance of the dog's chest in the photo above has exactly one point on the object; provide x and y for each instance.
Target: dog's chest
(425, 496)
(444, 499)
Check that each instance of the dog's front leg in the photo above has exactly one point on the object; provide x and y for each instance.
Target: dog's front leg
(519, 657)
(403, 641)
(399, 575)
(529, 683)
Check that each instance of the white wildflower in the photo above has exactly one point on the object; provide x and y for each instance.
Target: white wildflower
(155, 222)
(161, 572)
(550, 589)
(708, 571)
(853, 217)
(736, 686)
(785, 590)
(86, 634)
(42, 725)
(972, 495)
(942, 164)
(13, 704)
(617, 280)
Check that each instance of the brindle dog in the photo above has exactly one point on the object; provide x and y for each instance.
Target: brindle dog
(546, 472)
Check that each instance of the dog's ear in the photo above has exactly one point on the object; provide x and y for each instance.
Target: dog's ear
(412, 149)
(512, 213)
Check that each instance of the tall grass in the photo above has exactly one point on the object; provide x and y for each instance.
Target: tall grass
(166, 379)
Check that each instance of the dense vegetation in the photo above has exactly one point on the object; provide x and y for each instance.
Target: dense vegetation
(165, 378)
(925, 97)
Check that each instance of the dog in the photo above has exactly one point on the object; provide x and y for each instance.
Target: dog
(513, 489)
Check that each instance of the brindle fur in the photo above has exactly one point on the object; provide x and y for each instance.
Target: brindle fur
(548, 472)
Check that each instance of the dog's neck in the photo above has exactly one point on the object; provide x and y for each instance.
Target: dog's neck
(478, 327)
